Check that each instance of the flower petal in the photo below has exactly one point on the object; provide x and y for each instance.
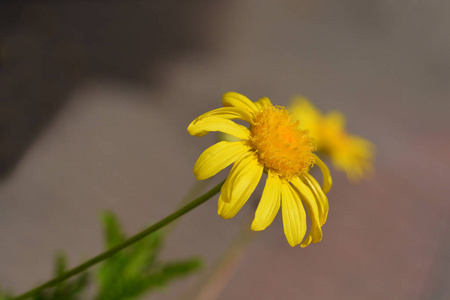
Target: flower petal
(336, 119)
(234, 174)
(320, 196)
(309, 200)
(327, 181)
(240, 184)
(237, 100)
(269, 204)
(218, 157)
(355, 157)
(294, 217)
(220, 204)
(263, 102)
(307, 114)
(229, 113)
(203, 126)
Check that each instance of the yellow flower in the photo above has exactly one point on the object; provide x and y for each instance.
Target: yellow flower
(349, 153)
(272, 144)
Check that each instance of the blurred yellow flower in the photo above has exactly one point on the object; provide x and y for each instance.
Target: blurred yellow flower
(275, 145)
(349, 153)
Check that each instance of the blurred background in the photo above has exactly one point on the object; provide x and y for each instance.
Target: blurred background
(95, 99)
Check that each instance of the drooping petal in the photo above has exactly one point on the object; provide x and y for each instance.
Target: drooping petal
(327, 181)
(220, 205)
(294, 217)
(269, 204)
(263, 102)
(237, 100)
(203, 126)
(238, 167)
(217, 157)
(240, 184)
(320, 196)
(229, 113)
(309, 200)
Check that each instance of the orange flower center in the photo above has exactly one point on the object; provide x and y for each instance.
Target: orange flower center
(281, 146)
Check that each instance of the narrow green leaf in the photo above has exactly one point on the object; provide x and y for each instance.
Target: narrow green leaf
(136, 270)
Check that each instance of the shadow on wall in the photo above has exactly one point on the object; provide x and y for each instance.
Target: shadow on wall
(47, 48)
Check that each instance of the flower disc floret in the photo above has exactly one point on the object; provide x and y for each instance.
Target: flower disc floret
(281, 146)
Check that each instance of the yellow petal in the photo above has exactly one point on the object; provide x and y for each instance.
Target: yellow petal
(307, 114)
(237, 100)
(227, 138)
(229, 113)
(269, 205)
(263, 102)
(294, 217)
(308, 198)
(327, 181)
(238, 167)
(220, 205)
(335, 119)
(320, 196)
(303, 106)
(355, 157)
(240, 184)
(307, 241)
(217, 157)
(203, 126)
(313, 211)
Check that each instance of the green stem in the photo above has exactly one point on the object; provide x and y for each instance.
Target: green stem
(66, 275)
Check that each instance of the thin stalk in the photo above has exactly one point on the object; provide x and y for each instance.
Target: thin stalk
(66, 275)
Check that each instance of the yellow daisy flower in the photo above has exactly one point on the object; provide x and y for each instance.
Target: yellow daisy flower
(273, 144)
(349, 153)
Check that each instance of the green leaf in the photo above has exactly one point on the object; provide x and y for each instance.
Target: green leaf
(66, 290)
(112, 230)
(4, 295)
(136, 270)
(127, 275)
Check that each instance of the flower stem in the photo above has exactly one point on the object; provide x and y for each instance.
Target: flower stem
(66, 275)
